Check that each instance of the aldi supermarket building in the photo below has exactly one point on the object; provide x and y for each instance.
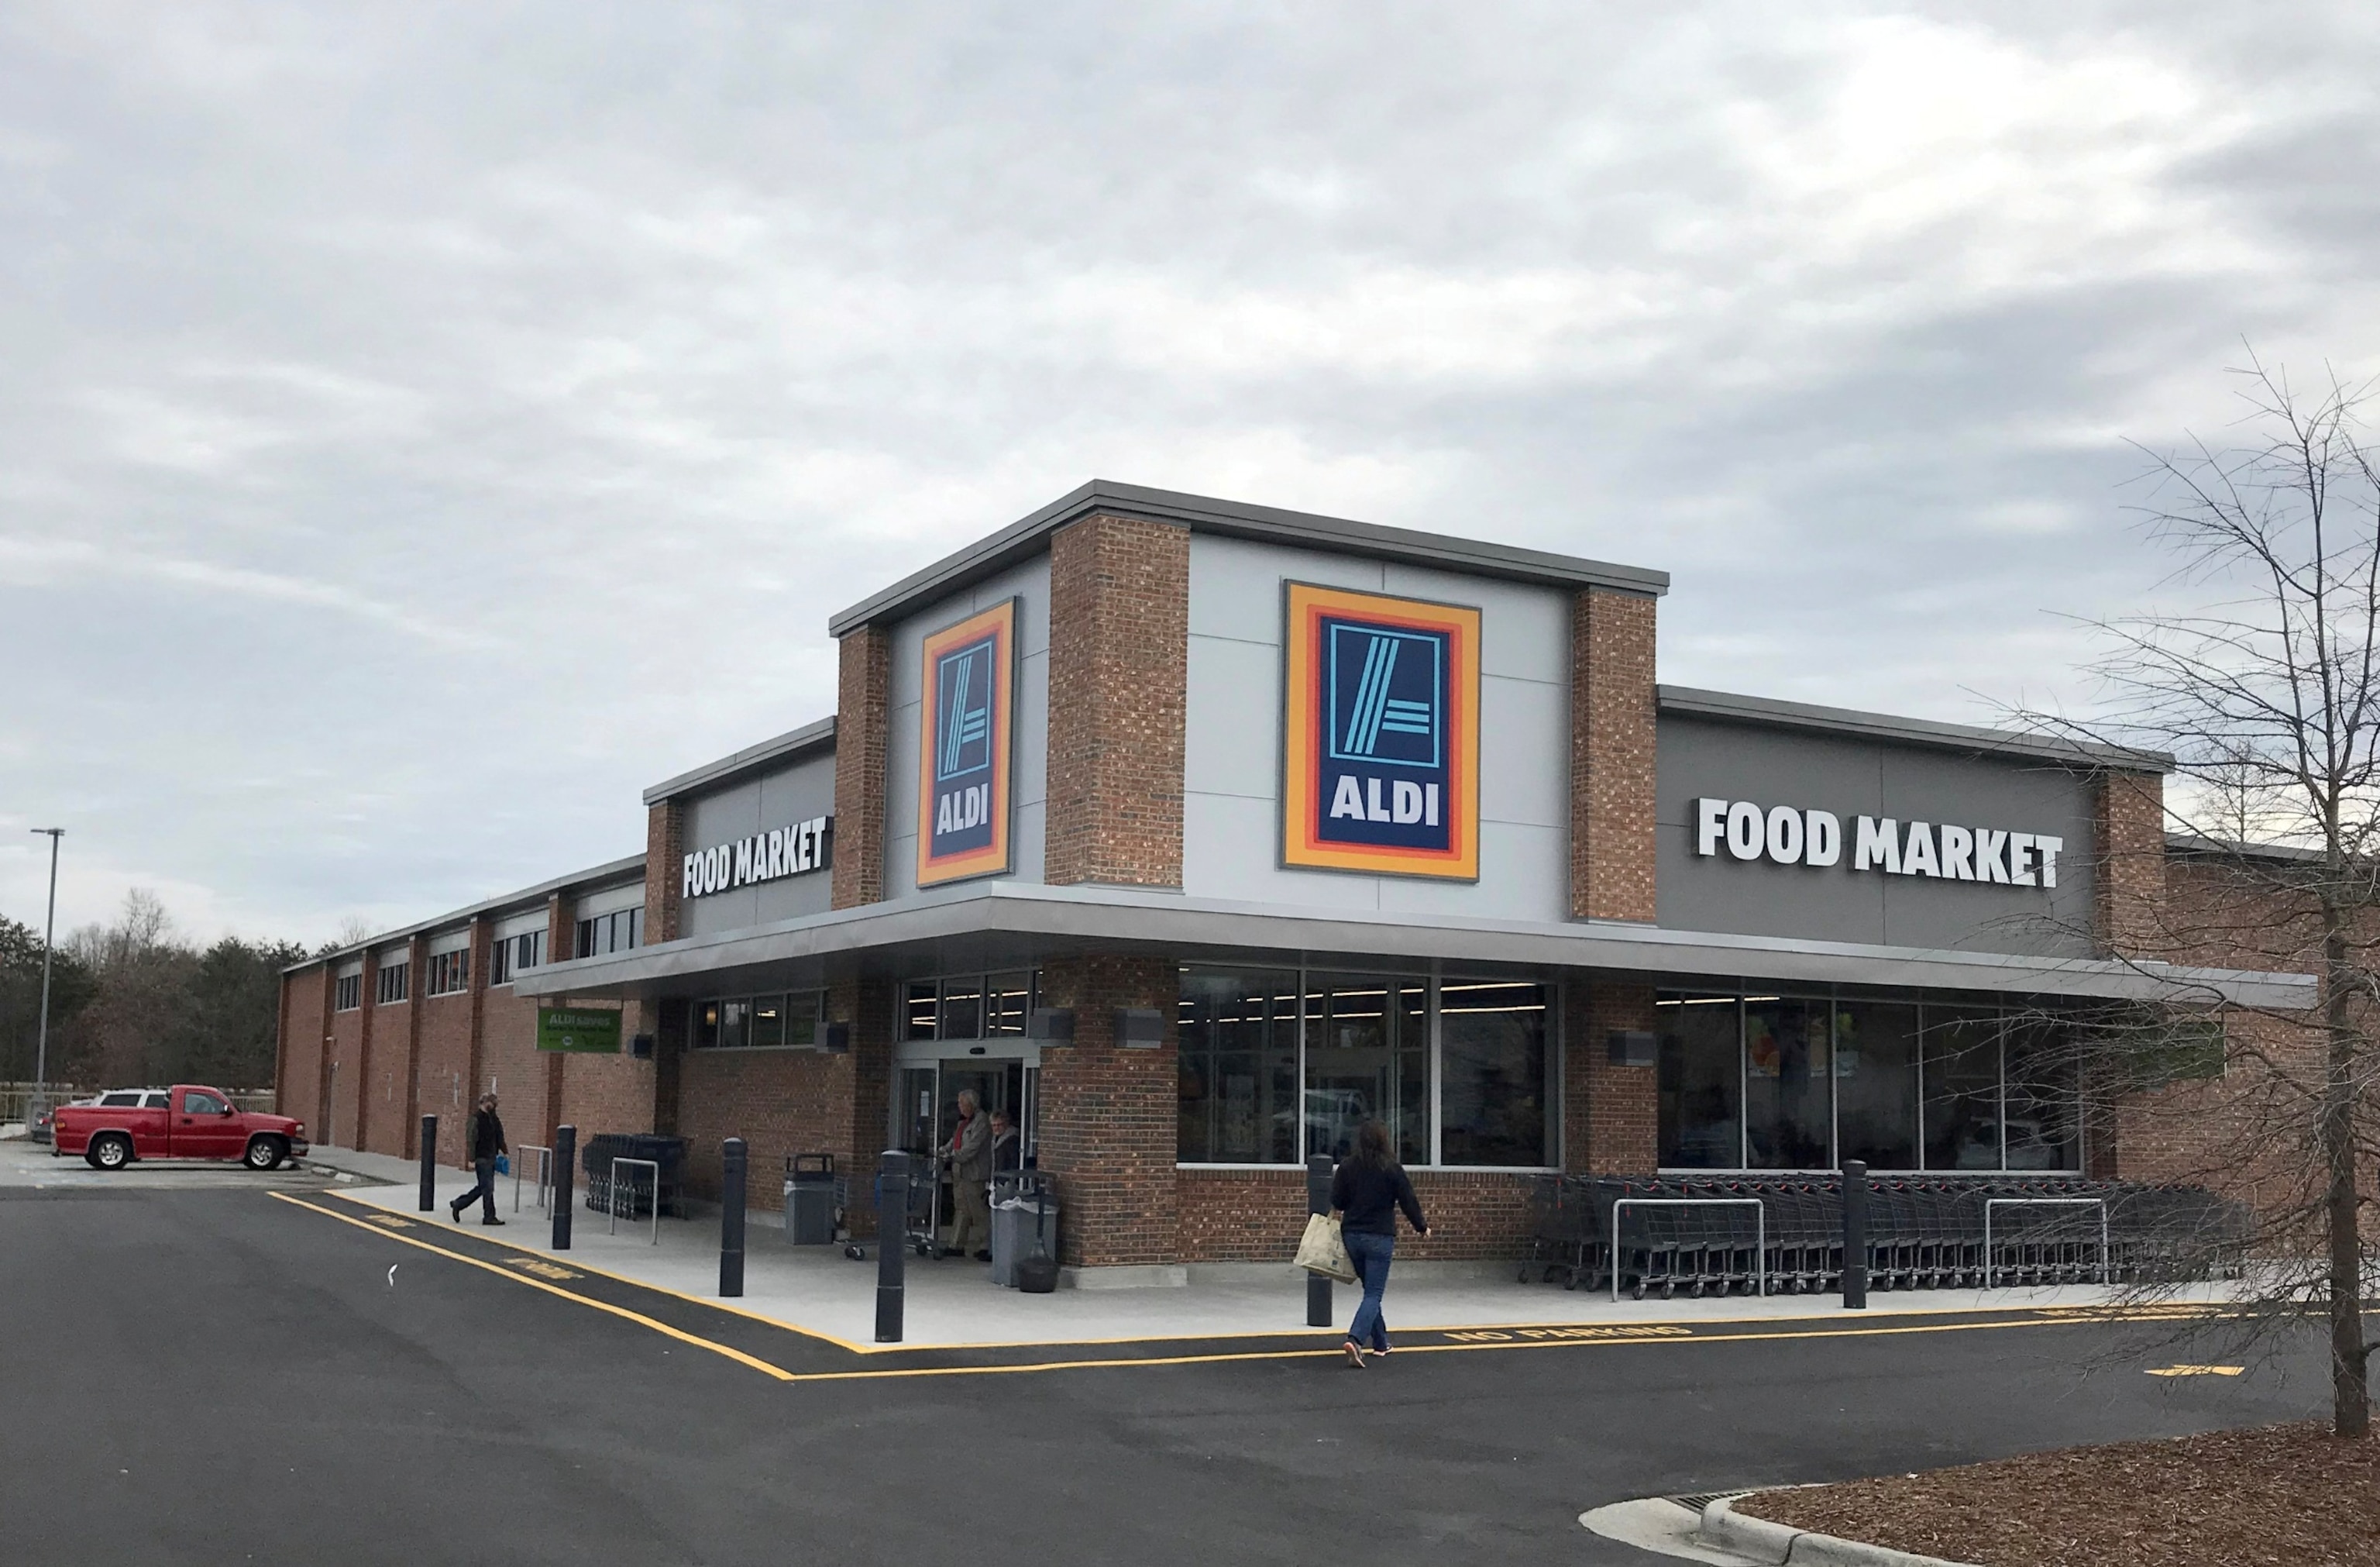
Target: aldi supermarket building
(1193, 831)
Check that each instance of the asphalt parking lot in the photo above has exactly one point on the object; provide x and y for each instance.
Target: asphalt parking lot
(213, 1375)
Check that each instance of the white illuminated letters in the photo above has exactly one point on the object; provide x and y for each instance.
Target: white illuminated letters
(765, 856)
(1947, 851)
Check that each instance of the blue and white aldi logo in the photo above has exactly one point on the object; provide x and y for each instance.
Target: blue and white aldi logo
(1381, 744)
(963, 748)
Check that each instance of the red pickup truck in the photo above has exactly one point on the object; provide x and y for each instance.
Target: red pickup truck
(186, 1120)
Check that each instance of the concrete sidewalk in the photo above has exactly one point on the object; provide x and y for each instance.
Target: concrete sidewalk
(952, 1303)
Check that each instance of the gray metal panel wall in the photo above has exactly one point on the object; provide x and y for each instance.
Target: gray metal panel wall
(1231, 783)
(1029, 584)
(793, 795)
(1851, 778)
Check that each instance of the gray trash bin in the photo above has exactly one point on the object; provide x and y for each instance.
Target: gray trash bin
(809, 1200)
(1013, 1215)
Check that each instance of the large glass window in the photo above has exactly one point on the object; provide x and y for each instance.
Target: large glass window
(1238, 1067)
(1897, 1081)
(1367, 1054)
(2042, 1091)
(788, 1021)
(1702, 1082)
(1962, 1090)
(1495, 1093)
(1788, 1083)
(1875, 1083)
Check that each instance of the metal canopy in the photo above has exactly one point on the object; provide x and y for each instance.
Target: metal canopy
(990, 925)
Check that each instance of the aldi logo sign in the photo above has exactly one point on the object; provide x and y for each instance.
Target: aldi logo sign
(1381, 734)
(964, 743)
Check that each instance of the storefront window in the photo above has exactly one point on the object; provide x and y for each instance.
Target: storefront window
(1238, 1067)
(772, 1022)
(1962, 1090)
(1788, 1081)
(1007, 1001)
(1702, 1082)
(734, 1025)
(2042, 1094)
(919, 1009)
(1367, 1054)
(1875, 1083)
(1495, 1093)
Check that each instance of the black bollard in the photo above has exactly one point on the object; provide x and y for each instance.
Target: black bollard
(892, 1253)
(565, 1183)
(1854, 1235)
(429, 1162)
(1318, 1200)
(730, 1217)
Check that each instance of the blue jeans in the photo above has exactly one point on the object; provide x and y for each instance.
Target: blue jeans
(1370, 1253)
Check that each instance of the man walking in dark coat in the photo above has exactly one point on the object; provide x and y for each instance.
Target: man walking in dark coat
(487, 1142)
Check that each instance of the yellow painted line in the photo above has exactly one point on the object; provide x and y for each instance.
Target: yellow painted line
(779, 1372)
(1546, 1341)
(716, 1305)
(2197, 1370)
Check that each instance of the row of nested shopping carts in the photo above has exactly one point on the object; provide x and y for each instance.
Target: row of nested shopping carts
(1784, 1234)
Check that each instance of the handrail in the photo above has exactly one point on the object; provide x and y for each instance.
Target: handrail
(2106, 1257)
(1759, 1232)
(544, 1173)
(613, 1202)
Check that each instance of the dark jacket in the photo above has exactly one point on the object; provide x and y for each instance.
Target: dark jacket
(487, 1135)
(1004, 1146)
(1369, 1199)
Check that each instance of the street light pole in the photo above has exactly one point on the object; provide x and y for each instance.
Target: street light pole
(49, 940)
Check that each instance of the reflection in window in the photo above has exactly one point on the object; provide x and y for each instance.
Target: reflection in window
(1007, 1001)
(2043, 1089)
(1962, 1090)
(1788, 1079)
(1495, 1088)
(706, 1026)
(962, 1009)
(919, 1009)
(768, 1022)
(1875, 1083)
(734, 1025)
(1350, 1059)
(1701, 1083)
(1238, 1091)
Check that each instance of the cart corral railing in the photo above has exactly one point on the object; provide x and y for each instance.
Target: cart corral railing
(15, 1096)
(1726, 1234)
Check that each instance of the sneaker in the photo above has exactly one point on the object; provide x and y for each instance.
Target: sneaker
(1354, 1355)
(1382, 1352)
(491, 1221)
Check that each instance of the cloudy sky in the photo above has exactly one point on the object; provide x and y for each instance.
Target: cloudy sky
(423, 426)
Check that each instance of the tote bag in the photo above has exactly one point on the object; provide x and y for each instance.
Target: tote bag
(1322, 1251)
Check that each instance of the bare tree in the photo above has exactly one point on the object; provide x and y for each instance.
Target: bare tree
(2266, 692)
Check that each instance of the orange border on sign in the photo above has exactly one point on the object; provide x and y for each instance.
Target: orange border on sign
(993, 858)
(1301, 761)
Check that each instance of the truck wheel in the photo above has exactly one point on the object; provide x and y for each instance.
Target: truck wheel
(109, 1152)
(264, 1153)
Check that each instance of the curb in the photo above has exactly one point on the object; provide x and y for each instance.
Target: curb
(1761, 1540)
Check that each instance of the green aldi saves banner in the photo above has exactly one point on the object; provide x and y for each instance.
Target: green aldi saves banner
(590, 1031)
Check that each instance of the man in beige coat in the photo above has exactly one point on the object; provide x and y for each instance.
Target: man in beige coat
(971, 1180)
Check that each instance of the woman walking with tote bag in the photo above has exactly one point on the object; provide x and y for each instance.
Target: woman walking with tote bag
(1368, 1188)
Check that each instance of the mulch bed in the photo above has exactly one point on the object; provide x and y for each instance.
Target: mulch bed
(2290, 1496)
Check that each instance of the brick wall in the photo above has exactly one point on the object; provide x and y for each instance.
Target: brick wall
(511, 1066)
(1612, 719)
(443, 1087)
(664, 870)
(1119, 667)
(863, 714)
(1610, 1114)
(1110, 1115)
(297, 1066)
(1257, 1215)
(2128, 821)
(610, 1093)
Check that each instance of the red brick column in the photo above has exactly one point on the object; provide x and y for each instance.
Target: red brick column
(863, 715)
(1110, 1115)
(1118, 673)
(2128, 820)
(664, 870)
(1611, 724)
(1610, 1114)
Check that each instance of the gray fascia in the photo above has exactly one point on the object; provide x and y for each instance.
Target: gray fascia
(1067, 919)
(792, 742)
(1968, 739)
(1026, 536)
(588, 879)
